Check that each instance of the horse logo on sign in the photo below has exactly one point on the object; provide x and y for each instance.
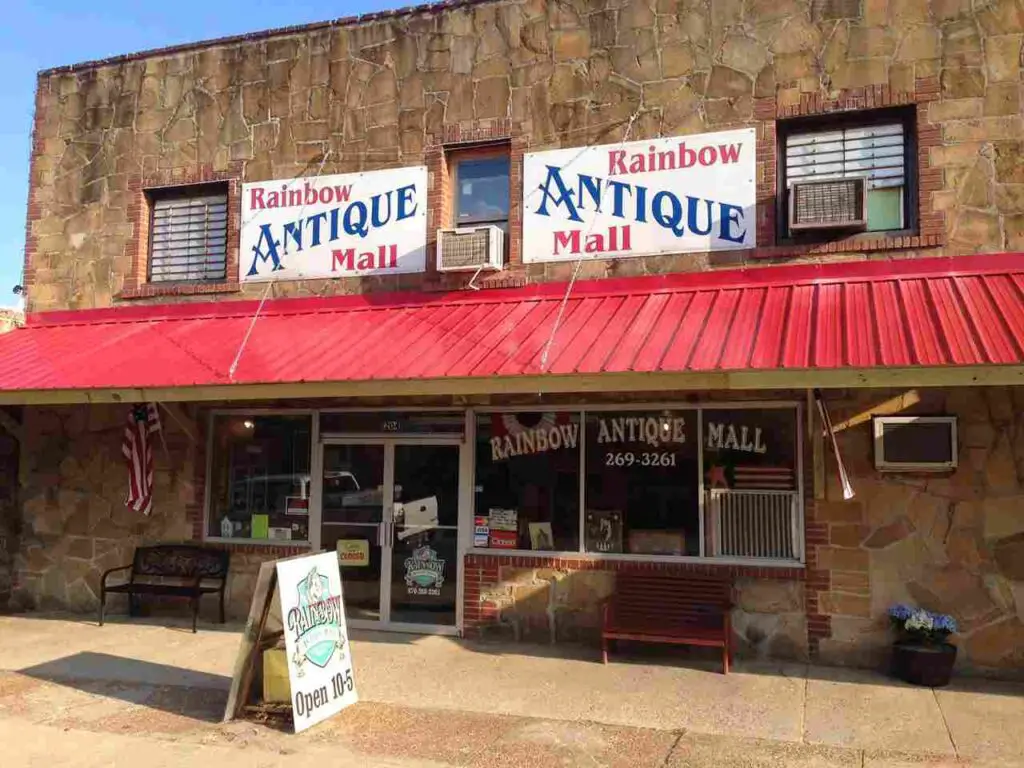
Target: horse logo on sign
(315, 622)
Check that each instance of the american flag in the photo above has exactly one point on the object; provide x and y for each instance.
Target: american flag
(137, 447)
(763, 478)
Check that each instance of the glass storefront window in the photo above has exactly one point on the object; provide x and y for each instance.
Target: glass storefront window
(686, 482)
(260, 482)
(643, 483)
(750, 449)
(527, 481)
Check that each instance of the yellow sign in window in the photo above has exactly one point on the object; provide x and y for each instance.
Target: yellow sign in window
(353, 552)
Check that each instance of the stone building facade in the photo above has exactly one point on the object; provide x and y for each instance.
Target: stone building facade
(412, 87)
(398, 89)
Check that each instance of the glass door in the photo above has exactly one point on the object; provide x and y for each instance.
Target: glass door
(424, 573)
(353, 499)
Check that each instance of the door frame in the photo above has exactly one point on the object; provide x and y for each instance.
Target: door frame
(385, 530)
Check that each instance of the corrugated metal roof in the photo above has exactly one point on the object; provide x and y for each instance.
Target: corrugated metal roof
(965, 311)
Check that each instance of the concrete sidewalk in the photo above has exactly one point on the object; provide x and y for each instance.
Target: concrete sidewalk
(445, 702)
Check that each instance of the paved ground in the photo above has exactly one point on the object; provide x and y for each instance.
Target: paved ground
(72, 693)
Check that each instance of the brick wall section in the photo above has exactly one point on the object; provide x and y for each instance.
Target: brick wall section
(393, 90)
(136, 284)
(482, 573)
(931, 223)
(460, 140)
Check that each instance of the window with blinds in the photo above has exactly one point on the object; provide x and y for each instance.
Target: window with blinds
(875, 153)
(189, 235)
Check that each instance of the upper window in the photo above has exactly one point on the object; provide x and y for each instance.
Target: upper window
(481, 189)
(188, 234)
(847, 174)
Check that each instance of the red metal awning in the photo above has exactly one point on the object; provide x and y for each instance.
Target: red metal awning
(842, 324)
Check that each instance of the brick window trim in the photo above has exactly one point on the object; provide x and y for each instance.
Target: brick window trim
(136, 283)
(931, 225)
(478, 566)
(464, 137)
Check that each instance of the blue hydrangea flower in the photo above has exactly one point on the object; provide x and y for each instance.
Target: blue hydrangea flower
(901, 612)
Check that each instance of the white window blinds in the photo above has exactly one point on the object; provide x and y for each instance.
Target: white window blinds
(188, 240)
(875, 153)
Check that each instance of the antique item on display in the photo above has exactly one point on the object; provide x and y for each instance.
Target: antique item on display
(603, 532)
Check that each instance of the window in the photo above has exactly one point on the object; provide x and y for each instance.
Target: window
(642, 494)
(527, 481)
(259, 478)
(712, 482)
(481, 189)
(750, 481)
(876, 147)
(188, 234)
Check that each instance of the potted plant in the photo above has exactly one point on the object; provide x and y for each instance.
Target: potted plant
(922, 655)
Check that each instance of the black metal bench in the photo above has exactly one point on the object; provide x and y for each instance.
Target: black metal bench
(171, 570)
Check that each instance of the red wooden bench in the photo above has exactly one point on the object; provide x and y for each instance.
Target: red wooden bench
(659, 608)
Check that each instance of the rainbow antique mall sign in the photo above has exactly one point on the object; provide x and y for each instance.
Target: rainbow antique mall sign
(372, 223)
(677, 195)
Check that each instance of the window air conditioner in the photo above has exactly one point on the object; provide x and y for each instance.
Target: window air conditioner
(470, 248)
(833, 204)
(915, 443)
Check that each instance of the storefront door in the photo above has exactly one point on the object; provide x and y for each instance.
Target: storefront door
(390, 510)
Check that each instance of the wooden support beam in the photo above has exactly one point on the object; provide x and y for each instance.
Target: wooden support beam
(182, 419)
(781, 378)
(11, 426)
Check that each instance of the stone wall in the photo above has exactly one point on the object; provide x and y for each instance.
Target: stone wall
(551, 600)
(74, 521)
(10, 513)
(952, 543)
(71, 520)
(394, 89)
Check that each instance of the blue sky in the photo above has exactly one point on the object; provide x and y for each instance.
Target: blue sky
(49, 33)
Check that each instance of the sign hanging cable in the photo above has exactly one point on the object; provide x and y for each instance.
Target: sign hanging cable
(270, 285)
(579, 261)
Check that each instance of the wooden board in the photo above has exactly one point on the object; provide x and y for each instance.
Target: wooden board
(249, 648)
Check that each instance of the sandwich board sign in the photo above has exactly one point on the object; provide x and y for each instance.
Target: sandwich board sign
(316, 638)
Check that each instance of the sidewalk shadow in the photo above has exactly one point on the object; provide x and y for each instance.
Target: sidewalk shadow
(184, 692)
(164, 620)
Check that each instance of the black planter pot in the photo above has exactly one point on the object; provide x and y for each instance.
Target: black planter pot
(922, 664)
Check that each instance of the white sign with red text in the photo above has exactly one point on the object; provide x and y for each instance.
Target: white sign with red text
(372, 223)
(678, 195)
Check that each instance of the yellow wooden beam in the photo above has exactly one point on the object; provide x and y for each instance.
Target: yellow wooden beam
(962, 376)
(893, 405)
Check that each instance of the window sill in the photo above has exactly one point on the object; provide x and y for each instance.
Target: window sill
(855, 244)
(155, 290)
(626, 557)
(261, 543)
